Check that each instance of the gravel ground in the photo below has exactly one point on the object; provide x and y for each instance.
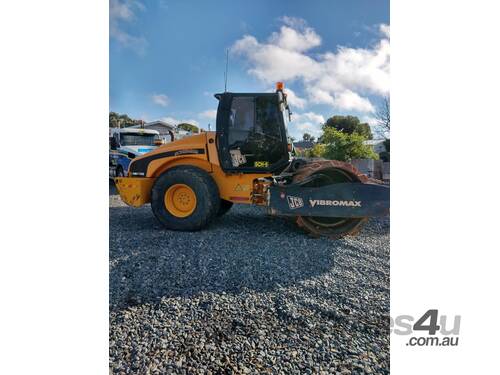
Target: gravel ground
(251, 294)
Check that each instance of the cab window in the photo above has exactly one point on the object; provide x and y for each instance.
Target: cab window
(255, 136)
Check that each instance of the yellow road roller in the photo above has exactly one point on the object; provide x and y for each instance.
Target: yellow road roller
(249, 159)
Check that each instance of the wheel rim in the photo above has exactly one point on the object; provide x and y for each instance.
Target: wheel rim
(180, 200)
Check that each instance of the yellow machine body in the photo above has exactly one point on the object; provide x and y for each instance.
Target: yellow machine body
(135, 190)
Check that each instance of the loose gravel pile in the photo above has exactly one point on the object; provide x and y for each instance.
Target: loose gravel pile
(251, 294)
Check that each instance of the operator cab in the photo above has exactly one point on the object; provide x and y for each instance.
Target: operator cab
(251, 131)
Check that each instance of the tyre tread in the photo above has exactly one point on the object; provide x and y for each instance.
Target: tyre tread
(200, 181)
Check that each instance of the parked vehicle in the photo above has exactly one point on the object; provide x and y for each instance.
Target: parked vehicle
(127, 143)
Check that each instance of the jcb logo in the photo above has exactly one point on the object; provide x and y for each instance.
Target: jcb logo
(294, 202)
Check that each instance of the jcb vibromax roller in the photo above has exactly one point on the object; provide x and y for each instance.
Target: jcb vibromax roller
(248, 160)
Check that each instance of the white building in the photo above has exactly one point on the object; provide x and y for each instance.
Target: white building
(377, 145)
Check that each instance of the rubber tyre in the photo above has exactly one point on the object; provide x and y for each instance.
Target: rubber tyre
(347, 173)
(207, 198)
(225, 206)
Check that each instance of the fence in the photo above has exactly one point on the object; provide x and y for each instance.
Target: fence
(373, 168)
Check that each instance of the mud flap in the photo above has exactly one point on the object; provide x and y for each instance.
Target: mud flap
(350, 200)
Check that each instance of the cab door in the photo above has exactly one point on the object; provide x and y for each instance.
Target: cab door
(251, 133)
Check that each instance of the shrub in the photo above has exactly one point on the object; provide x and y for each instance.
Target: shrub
(345, 147)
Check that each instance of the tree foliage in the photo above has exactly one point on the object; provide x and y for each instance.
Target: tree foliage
(349, 125)
(387, 145)
(385, 156)
(117, 120)
(308, 137)
(318, 151)
(188, 127)
(339, 145)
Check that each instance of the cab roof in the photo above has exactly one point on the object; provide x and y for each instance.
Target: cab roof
(219, 95)
(134, 130)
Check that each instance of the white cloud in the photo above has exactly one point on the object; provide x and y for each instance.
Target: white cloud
(372, 121)
(160, 99)
(309, 116)
(342, 79)
(385, 30)
(174, 121)
(294, 100)
(351, 101)
(295, 22)
(271, 63)
(308, 122)
(295, 37)
(120, 12)
(210, 114)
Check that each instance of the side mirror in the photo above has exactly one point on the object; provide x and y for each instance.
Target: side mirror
(113, 144)
(158, 142)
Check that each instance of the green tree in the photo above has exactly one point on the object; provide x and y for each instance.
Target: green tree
(117, 120)
(349, 125)
(343, 146)
(318, 151)
(387, 144)
(188, 127)
(386, 155)
(113, 120)
(308, 137)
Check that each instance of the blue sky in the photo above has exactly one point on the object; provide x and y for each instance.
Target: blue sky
(167, 58)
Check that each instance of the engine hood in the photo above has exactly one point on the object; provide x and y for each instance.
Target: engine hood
(137, 150)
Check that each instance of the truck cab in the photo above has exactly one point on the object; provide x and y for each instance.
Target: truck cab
(125, 144)
(252, 132)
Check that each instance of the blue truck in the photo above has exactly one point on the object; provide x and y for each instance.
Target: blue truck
(127, 143)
